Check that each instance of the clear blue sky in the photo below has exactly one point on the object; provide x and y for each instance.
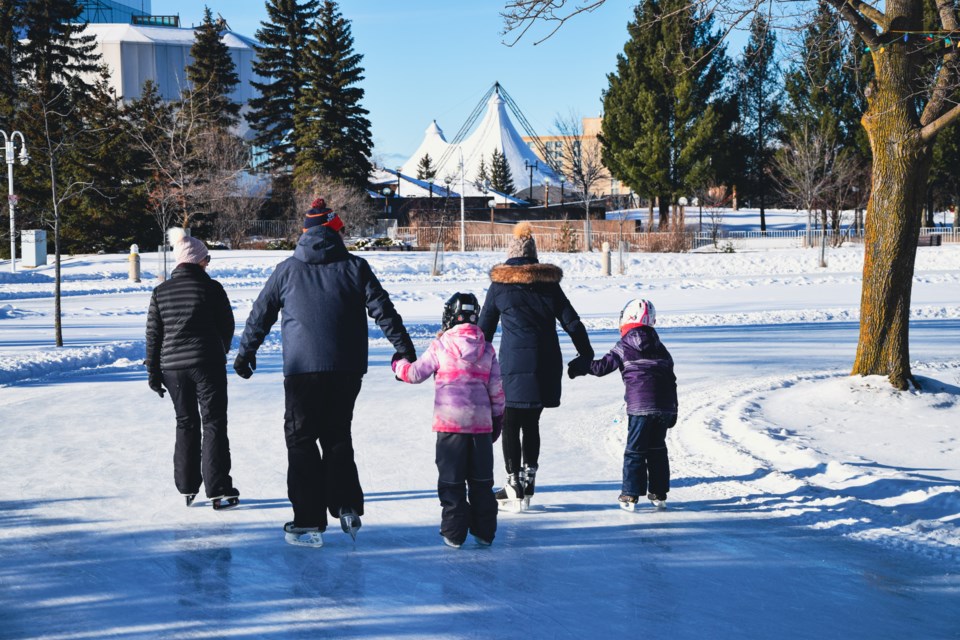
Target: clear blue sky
(434, 59)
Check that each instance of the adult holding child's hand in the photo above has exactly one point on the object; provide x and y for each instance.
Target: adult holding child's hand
(525, 298)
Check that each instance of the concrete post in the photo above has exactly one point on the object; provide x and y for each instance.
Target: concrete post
(605, 259)
(133, 275)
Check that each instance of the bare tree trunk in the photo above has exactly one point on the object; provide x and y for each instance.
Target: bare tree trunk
(664, 224)
(901, 163)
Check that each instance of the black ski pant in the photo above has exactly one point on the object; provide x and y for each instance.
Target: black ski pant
(319, 409)
(465, 486)
(517, 422)
(202, 451)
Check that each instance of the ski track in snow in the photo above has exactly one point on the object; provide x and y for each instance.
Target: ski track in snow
(766, 468)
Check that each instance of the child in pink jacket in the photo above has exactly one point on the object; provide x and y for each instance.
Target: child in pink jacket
(467, 416)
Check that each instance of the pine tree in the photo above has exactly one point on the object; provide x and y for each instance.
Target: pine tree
(213, 75)
(425, 169)
(663, 109)
(501, 178)
(482, 178)
(759, 91)
(281, 60)
(822, 92)
(9, 50)
(331, 129)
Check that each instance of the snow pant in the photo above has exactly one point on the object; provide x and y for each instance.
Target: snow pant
(645, 455)
(465, 486)
(319, 409)
(202, 451)
(517, 422)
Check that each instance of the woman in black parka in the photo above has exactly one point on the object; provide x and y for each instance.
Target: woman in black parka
(526, 299)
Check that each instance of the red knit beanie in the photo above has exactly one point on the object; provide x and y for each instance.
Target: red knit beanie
(320, 215)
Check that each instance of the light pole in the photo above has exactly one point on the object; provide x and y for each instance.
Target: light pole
(398, 181)
(386, 199)
(531, 166)
(546, 193)
(10, 144)
(430, 181)
(562, 209)
(463, 205)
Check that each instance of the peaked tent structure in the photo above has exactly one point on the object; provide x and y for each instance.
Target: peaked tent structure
(495, 131)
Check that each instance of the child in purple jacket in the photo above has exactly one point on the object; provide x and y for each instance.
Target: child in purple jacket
(467, 416)
(651, 395)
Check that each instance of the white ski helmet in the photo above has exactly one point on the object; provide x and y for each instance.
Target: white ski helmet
(637, 313)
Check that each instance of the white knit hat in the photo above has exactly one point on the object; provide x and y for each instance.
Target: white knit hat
(186, 248)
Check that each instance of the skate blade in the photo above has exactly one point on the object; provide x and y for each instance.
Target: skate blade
(309, 539)
(223, 504)
(513, 506)
(628, 506)
(350, 524)
(659, 505)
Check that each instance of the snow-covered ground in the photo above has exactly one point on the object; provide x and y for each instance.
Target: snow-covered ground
(805, 503)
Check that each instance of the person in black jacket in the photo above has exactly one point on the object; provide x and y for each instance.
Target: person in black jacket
(526, 299)
(189, 331)
(325, 294)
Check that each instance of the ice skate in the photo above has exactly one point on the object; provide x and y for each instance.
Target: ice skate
(529, 478)
(627, 503)
(189, 498)
(659, 500)
(229, 499)
(302, 536)
(482, 542)
(349, 521)
(450, 543)
(510, 496)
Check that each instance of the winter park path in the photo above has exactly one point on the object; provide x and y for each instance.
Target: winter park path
(804, 504)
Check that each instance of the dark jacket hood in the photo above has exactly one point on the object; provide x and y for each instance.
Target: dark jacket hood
(526, 274)
(320, 245)
(641, 338)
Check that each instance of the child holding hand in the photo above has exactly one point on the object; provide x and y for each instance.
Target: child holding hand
(468, 417)
(651, 395)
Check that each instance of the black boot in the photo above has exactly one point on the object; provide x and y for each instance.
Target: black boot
(510, 496)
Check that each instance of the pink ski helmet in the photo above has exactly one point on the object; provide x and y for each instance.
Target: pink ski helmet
(637, 313)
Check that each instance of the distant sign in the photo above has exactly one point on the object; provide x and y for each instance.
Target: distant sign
(13, 199)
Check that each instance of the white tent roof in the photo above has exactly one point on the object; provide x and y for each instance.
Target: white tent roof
(495, 131)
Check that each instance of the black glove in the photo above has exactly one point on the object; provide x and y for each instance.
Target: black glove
(497, 427)
(155, 380)
(245, 366)
(579, 366)
(409, 356)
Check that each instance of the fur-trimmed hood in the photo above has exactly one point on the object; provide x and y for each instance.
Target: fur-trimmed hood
(526, 273)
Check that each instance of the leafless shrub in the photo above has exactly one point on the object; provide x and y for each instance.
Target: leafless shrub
(351, 203)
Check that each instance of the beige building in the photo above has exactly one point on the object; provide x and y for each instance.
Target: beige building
(560, 151)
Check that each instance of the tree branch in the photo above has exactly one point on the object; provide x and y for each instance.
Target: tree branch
(930, 131)
(873, 14)
(523, 14)
(861, 25)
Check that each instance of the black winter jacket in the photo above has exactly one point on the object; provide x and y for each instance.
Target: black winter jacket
(527, 300)
(189, 323)
(325, 293)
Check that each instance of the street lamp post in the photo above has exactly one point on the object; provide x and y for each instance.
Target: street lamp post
(546, 193)
(430, 181)
(398, 181)
(531, 166)
(10, 144)
(386, 199)
(463, 205)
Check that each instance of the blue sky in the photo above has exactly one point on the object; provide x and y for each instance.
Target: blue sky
(435, 59)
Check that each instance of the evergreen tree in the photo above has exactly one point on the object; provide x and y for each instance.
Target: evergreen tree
(425, 169)
(280, 60)
(482, 177)
(664, 107)
(213, 75)
(759, 91)
(501, 178)
(331, 129)
(53, 63)
(9, 50)
(822, 92)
